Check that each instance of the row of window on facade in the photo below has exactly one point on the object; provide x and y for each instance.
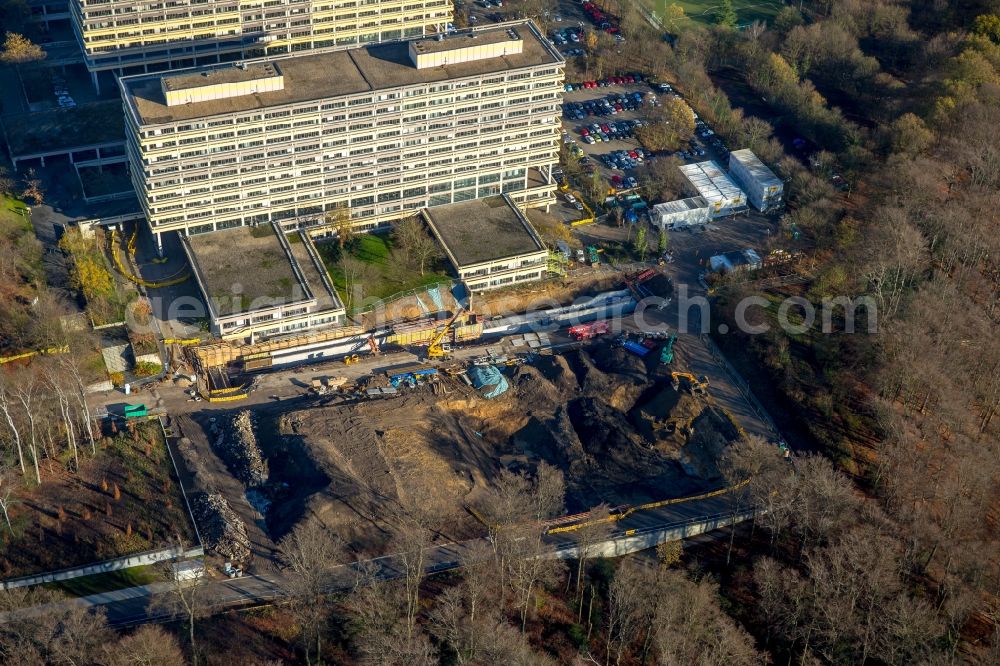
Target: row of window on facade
(477, 286)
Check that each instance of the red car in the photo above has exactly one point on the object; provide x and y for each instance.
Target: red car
(616, 181)
(629, 79)
(634, 155)
(584, 131)
(604, 128)
(590, 84)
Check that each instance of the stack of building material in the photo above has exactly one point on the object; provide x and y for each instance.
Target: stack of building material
(488, 380)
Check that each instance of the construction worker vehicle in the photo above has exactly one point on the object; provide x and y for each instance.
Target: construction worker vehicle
(692, 383)
(587, 331)
(667, 353)
(672, 426)
(351, 358)
(438, 348)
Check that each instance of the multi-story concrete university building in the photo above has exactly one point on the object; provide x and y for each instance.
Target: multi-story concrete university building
(380, 131)
(143, 35)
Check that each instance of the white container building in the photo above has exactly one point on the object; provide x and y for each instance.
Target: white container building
(763, 188)
(711, 182)
(682, 213)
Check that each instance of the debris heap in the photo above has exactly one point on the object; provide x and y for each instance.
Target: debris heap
(221, 529)
(238, 447)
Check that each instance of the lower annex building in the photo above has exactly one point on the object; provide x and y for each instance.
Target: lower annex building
(377, 132)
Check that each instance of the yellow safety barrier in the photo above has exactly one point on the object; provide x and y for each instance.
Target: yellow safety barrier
(43, 352)
(228, 390)
(624, 514)
(614, 517)
(225, 398)
(169, 282)
(181, 341)
(588, 219)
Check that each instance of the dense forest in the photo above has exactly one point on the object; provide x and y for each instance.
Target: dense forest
(900, 100)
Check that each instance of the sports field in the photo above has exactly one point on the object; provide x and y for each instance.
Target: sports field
(703, 11)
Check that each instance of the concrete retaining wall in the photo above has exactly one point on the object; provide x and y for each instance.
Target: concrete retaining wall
(101, 387)
(137, 560)
(633, 541)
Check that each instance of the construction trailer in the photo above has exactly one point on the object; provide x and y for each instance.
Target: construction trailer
(636, 348)
(763, 189)
(711, 182)
(735, 262)
(681, 213)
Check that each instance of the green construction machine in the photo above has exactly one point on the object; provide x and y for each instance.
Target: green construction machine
(667, 353)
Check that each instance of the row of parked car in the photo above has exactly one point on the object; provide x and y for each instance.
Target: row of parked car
(603, 21)
(625, 79)
(608, 106)
(623, 160)
(623, 183)
(565, 36)
(609, 131)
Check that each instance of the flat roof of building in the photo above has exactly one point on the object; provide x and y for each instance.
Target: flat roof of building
(682, 205)
(337, 73)
(231, 73)
(314, 272)
(711, 181)
(481, 230)
(245, 269)
(455, 40)
(757, 169)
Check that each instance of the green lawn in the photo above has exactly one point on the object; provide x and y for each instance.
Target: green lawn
(13, 212)
(106, 582)
(703, 11)
(387, 277)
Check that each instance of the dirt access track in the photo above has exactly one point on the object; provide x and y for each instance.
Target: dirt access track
(599, 414)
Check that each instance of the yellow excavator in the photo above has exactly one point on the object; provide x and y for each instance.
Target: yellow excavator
(683, 426)
(695, 385)
(438, 348)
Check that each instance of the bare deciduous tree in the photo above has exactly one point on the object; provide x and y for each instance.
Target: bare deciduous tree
(188, 599)
(312, 552)
(415, 242)
(149, 645)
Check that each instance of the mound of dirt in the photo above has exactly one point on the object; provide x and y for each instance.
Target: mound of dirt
(615, 359)
(410, 454)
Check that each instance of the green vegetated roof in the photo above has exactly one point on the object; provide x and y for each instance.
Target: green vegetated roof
(62, 129)
(245, 269)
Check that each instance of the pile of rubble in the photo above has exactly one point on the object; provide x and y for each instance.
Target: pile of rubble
(221, 529)
(238, 446)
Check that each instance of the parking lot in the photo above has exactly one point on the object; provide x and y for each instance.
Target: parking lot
(587, 107)
(618, 141)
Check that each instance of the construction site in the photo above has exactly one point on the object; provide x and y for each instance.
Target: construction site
(625, 428)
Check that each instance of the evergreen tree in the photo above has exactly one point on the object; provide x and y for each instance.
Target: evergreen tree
(725, 15)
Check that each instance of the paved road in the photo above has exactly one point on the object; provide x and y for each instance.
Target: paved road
(132, 606)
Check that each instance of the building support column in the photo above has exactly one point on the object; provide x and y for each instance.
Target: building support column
(158, 237)
(96, 82)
